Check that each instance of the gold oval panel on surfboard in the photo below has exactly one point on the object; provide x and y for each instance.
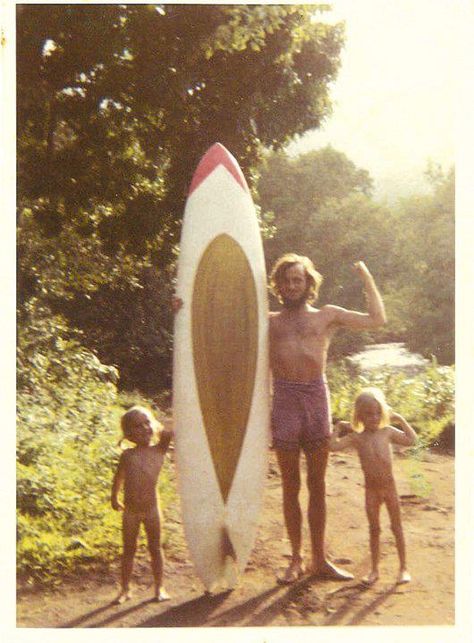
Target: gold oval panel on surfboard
(225, 344)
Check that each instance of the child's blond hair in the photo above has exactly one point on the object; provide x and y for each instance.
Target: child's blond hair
(370, 393)
(126, 418)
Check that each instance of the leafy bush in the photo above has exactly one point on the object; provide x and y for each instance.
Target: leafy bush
(67, 434)
(425, 399)
(68, 429)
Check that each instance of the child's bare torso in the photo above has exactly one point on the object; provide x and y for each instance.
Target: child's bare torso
(375, 453)
(142, 468)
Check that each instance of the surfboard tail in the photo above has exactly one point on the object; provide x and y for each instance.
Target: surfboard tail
(231, 575)
(227, 546)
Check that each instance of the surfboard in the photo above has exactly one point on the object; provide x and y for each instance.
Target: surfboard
(220, 370)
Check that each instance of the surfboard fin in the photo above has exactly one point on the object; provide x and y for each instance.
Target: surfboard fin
(227, 546)
(230, 559)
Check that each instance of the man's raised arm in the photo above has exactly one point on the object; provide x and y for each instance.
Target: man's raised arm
(376, 311)
(374, 300)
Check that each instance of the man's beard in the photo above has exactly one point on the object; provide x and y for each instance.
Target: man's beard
(294, 304)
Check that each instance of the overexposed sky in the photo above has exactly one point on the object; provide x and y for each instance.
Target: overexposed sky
(394, 98)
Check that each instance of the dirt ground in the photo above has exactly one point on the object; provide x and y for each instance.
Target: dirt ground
(426, 488)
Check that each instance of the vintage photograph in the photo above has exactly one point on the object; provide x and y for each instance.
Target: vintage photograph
(235, 312)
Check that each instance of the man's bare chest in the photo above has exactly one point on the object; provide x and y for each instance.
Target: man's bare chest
(299, 329)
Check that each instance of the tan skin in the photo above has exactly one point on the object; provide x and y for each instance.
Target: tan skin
(374, 449)
(300, 336)
(139, 469)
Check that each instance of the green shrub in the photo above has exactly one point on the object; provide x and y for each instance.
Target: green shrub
(67, 433)
(68, 429)
(425, 399)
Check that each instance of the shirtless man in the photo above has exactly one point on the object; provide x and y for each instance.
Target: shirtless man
(300, 336)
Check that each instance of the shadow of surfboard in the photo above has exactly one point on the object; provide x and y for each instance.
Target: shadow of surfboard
(191, 613)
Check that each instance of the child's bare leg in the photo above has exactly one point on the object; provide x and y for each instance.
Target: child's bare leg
(130, 527)
(153, 532)
(372, 507)
(393, 508)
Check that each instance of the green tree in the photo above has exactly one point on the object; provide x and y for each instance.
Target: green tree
(116, 104)
(427, 275)
(322, 207)
(295, 190)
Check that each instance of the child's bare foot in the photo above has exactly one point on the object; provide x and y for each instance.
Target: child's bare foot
(161, 595)
(371, 578)
(125, 595)
(295, 570)
(328, 571)
(403, 577)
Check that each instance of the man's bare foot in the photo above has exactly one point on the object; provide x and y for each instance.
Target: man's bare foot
(328, 571)
(371, 578)
(295, 570)
(403, 577)
(125, 595)
(161, 595)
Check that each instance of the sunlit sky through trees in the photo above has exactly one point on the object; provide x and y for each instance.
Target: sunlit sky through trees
(396, 91)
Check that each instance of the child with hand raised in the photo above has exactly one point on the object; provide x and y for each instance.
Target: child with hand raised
(137, 472)
(372, 436)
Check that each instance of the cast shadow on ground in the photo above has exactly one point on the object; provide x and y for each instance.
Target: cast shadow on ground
(350, 594)
(261, 610)
(362, 613)
(118, 613)
(291, 594)
(253, 612)
(191, 613)
(247, 615)
(85, 617)
(237, 615)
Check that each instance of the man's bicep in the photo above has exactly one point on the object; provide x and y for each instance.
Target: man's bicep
(350, 318)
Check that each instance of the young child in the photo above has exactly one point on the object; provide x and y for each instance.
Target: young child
(371, 435)
(137, 472)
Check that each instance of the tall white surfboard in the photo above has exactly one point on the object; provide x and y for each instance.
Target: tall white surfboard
(220, 370)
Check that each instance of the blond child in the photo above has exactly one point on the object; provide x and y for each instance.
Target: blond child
(372, 436)
(137, 473)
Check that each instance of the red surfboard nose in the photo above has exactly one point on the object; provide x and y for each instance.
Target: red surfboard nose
(217, 155)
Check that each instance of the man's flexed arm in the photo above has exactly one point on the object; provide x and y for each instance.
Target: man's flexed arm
(375, 316)
(374, 300)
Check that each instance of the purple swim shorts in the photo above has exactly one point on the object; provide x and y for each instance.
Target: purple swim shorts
(301, 414)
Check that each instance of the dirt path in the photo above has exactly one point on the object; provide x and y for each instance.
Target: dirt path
(427, 491)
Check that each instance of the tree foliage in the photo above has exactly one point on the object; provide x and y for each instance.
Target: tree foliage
(116, 104)
(322, 207)
(427, 273)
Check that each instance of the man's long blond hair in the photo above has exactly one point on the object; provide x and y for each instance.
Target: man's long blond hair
(313, 278)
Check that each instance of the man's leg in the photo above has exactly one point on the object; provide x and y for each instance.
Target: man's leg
(317, 460)
(289, 463)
